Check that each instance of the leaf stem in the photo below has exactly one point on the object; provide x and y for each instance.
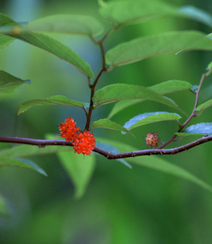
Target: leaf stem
(114, 27)
(86, 112)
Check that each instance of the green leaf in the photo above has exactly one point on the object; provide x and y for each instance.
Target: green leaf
(68, 24)
(108, 124)
(198, 129)
(210, 65)
(163, 43)
(46, 43)
(116, 92)
(57, 48)
(19, 162)
(148, 118)
(8, 82)
(54, 100)
(79, 168)
(130, 12)
(196, 14)
(157, 163)
(121, 105)
(171, 86)
(5, 41)
(4, 21)
(101, 3)
(162, 88)
(204, 105)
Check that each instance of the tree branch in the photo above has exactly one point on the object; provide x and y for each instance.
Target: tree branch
(109, 155)
(93, 86)
(193, 113)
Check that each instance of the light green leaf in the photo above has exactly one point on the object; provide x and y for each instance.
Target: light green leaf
(6, 20)
(210, 65)
(8, 82)
(79, 168)
(67, 24)
(158, 163)
(130, 12)
(116, 92)
(46, 43)
(198, 129)
(147, 118)
(19, 162)
(171, 86)
(54, 100)
(57, 48)
(204, 105)
(108, 124)
(5, 41)
(162, 88)
(121, 105)
(196, 14)
(101, 3)
(163, 43)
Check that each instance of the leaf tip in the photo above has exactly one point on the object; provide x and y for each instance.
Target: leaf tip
(28, 81)
(101, 3)
(41, 171)
(44, 173)
(19, 112)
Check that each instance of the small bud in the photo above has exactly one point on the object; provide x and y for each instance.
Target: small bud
(15, 31)
(152, 139)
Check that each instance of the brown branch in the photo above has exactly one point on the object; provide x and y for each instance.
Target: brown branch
(193, 113)
(93, 86)
(109, 155)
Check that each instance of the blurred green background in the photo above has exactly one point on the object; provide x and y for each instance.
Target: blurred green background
(120, 206)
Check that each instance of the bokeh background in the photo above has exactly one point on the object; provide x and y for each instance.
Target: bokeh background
(120, 206)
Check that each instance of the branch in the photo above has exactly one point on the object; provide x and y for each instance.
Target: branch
(93, 86)
(193, 113)
(104, 68)
(109, 155)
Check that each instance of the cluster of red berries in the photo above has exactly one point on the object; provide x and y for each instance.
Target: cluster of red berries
(152, 139)
(83, 142)
(68, 129)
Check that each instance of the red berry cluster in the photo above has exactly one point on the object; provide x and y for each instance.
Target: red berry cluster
(152, 139)
(83, 142)
(68, 129)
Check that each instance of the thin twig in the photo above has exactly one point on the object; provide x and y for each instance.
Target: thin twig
(93, 86)
(109, 155)
(193, 113)
(87, 125)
